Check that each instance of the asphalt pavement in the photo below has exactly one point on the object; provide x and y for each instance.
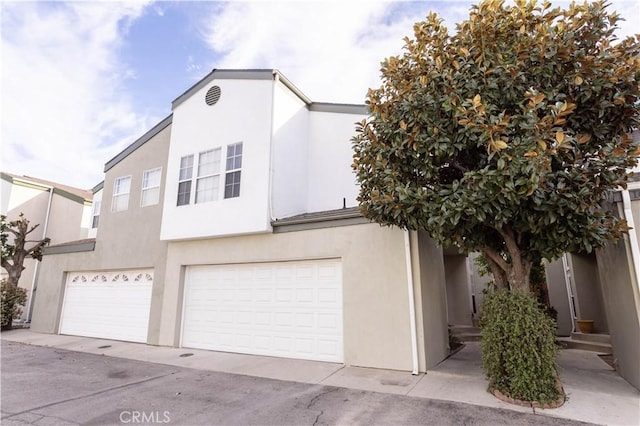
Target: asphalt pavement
(52, 386)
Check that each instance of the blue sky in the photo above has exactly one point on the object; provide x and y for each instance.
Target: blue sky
(82, 80)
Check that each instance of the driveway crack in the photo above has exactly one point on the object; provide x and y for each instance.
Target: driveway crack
(318, 418)
(321, 394)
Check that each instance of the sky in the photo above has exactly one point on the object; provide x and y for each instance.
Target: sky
(82, 80)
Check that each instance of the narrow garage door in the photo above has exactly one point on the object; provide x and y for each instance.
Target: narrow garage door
(108, 305)
(284, 309)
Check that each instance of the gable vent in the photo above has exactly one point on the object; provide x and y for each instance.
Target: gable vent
(213, 95)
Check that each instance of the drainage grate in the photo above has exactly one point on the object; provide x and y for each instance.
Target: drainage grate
(104, 347)
(185, 355)
(213, 95)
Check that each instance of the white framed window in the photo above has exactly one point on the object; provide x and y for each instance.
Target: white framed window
(233, 166)
(208, 180)
(150, 187)
(184, 180)
(95, 219)
(121, 189)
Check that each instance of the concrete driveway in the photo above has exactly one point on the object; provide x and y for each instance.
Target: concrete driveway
(53, 386)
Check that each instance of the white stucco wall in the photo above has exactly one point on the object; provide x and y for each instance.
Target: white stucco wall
(290, 154)
(20, 195)
(5, 191)
(243, 114)
(330, 157)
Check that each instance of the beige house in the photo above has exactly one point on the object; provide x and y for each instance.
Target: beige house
(232, 225)
(61, 212)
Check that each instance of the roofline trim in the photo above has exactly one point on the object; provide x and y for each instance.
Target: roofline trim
(71, 247)
(268, 74)
(225, 74)
(97, 188)
(350, 213)
(25, 182)
(138, 143)
(339, 108)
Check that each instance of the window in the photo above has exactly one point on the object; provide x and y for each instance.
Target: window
(208, 184)
(234, 164)
(184, 182)
(96, 214)
(208, 181)
(150, 187)
(121, 188)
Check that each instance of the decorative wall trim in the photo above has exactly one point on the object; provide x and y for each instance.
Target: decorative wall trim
(107, 277)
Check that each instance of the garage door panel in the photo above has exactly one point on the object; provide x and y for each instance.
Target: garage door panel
(109, 305)
(288, 309)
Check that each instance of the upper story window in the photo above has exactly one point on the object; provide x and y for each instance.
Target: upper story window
(96, 214)
(208, 181)
(208, 175)
(150, 187)
(184, 182)
(121, 188)
(234, 164)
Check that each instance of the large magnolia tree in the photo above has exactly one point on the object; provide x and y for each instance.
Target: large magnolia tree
(505, 137)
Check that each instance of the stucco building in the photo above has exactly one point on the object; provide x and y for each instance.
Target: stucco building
(61, 212)
(232, 225)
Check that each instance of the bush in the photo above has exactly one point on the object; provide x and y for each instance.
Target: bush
(519, 347)
(13, 299)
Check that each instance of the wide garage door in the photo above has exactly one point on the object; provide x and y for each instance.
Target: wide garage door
(109, 305)
(285, 309)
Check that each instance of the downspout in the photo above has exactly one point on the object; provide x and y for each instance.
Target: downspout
(570, 295)
(412, 305)
(276, 79)
(633, 237)
(37, 267)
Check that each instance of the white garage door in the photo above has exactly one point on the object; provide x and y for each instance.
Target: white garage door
(108, 305)
(285, 309)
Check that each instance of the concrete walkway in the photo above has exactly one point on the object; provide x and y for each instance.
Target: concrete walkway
(596, 393)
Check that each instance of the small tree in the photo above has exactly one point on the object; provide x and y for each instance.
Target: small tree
(506, 137)
(15, 249)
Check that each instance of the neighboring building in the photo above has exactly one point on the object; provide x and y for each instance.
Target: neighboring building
(60, 211)
(232, 225)
(619, 274)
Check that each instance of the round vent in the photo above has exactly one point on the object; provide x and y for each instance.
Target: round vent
(213, 95)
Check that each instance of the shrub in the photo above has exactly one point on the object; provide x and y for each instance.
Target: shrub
(518, 347)
(13, 299)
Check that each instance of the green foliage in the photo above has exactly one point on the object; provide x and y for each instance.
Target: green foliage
(12, 299)
(518, 347)
(507, 135)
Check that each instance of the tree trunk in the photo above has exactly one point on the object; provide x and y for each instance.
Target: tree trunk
(499, 275)
(519, 275)
(14, 273)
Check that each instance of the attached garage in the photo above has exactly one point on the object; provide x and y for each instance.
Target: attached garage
(108, 305)
(284, 309)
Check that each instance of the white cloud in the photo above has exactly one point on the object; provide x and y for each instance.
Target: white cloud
(332, 50)
(64, 110)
